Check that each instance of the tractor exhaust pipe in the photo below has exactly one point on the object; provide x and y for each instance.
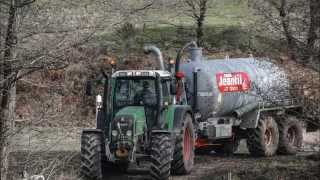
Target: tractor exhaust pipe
(156, 52)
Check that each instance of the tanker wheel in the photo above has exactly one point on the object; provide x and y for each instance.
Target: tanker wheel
(183, 157)
(161, 155)
(290, 135)
(263, 140)
(91, 156)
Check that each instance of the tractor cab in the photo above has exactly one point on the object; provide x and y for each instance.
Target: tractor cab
(143, 90)
(138, 101)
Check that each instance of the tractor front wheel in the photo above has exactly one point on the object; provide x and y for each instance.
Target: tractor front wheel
(160, 156)
(183, 157)
(91, 156)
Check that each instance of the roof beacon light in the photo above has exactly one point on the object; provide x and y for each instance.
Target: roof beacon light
(112, 62)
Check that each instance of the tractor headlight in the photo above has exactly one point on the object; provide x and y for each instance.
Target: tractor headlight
(99, 101)
(114, 133)
(129, 133)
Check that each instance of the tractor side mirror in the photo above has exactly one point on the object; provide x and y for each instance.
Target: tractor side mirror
(173, 87)
(88, 88)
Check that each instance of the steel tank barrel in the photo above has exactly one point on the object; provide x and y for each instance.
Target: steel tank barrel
(225, 85)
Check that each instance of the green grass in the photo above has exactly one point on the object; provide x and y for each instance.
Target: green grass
(228, 27)
(219, 13)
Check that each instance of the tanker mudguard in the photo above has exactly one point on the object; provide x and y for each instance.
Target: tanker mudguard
(250, 119)
(178, 116)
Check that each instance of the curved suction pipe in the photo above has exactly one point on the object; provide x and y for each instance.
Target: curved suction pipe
(150, 49)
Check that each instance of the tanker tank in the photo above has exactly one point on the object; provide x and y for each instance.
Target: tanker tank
(227, 85)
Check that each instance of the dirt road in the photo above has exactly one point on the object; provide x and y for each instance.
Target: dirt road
(55, 153)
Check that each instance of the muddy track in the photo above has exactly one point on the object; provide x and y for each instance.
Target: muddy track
(240, 166)
(57, 155)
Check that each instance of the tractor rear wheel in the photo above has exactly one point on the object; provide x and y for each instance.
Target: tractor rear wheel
(263, 140)
(160, 156)
(91, 156)
(290, 135)
(183, 157)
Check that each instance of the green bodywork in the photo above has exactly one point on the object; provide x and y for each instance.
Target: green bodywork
(138, 115)
(139, 118)
(168, 114)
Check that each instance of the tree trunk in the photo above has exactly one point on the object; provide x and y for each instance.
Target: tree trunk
(199, 32)
(7, 114)
(200, 21)
(7, 104)
(313, 34)
(285, 22)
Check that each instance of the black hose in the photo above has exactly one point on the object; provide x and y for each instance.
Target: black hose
(195, 91)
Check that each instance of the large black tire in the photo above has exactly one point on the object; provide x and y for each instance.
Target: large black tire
(263, 140)
(161, 154)
(183, 157)
(290, 135)
(91, 156)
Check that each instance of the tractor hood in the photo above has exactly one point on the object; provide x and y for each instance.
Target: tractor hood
(132, 115)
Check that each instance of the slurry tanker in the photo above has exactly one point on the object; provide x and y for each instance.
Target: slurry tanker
(163, 117)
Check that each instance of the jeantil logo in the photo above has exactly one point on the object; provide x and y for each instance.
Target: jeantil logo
(233, 82)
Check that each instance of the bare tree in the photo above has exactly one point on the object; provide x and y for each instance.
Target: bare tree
(197, 9)
(313, 40)
(22, 54)
(8, 76)
(48, 36)
(298, 22)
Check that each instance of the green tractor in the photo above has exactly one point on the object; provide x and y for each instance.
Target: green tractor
(143, 116)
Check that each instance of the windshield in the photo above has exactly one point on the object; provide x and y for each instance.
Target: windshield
(135, 91)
